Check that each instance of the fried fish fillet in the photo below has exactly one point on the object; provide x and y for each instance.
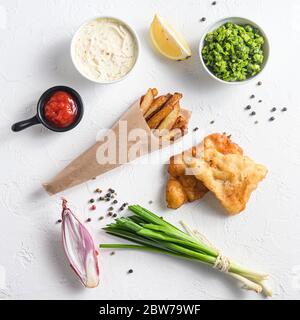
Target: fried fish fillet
(224, 170)
(182, 187)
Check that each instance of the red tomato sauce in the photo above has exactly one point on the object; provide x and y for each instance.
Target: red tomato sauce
(61, 109)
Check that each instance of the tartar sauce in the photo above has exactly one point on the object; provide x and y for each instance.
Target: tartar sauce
(104, 50)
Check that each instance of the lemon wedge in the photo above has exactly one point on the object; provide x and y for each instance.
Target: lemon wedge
(168, 41)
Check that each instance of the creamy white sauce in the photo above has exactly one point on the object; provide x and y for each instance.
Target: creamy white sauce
(104, 50)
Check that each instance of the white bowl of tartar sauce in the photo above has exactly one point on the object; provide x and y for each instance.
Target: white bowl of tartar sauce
(105, 50)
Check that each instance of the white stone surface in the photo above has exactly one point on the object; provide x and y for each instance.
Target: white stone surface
(34, 55)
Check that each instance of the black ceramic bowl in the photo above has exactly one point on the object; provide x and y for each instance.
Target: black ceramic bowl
(40, 117)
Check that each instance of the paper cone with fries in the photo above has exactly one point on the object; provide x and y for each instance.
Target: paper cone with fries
(148, 125)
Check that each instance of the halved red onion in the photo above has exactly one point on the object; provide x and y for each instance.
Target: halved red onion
(80, 248)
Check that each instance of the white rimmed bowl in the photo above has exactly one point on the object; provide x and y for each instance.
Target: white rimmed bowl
(131, 30)
(241, 21)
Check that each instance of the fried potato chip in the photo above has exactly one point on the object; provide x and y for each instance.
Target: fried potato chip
(181, 123)
(226, 172)
(156, 105)
(159, 116)
(170, 119)
(146, 101)
(154, 92)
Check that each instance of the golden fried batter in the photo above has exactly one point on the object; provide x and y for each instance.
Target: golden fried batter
(182, 187)
(175, 194)
(226, 172)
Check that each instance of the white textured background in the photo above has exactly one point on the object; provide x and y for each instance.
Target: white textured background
(34, 55)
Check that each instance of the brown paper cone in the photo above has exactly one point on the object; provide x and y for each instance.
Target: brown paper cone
(87, 166)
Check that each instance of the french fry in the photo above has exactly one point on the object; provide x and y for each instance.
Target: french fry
(158, 117)
(170, 119)
(154, 92)
(146, 101)
(156, 105)
(181, 123)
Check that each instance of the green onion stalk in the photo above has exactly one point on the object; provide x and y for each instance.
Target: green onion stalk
(152, 233)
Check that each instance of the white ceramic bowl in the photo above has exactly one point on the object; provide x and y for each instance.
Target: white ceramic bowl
(241, 21)
(131, 30)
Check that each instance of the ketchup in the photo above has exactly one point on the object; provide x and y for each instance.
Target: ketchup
(61, 109)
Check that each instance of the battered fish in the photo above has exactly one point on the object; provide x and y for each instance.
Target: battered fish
(182, 187)
(224, 170)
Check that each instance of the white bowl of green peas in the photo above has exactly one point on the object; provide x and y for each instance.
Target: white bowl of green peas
(234, 50)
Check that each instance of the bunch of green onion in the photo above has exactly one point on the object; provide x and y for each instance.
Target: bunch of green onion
(152, 233)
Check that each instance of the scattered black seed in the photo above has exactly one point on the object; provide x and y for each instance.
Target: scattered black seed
(101, 199)
(107, 199)
(214, 3)
(88, 220)
(112, 253)
(284, 109)
(248, 107)
(59, 221)
(110, 209)
(271, 119)
(273, 109)
(115, 202)
(111, 190)
(259, 101)
(101, 218)
(121, 208)
(259, 83)
(130, 271)
(195, 129)
(203, 19)
(115, 215)
(150, 202)
(255, 122)
(92, 200)
(110, 214)
(252, 96)
(253, 113)
(212, 122)
(108, 195)
(98, 190)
